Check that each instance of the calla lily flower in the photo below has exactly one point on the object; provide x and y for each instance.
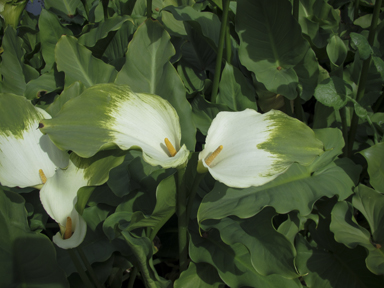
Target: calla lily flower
(59, 196)
(29, 159)
(24, 150)
(109, 115)
(247, 148)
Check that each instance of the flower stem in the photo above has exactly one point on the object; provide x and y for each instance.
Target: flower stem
(195, 187)
(182, 219)
(228, 45)
(149, 9)
(132, 277)
(344, 126)
(85, 4)
(79, 268)
(90, 270)
(223, 30)
(363, 77)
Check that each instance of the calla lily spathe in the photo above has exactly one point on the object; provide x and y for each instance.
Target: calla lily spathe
(29, 159)
(107, 115)
(59, 197)
(253, 149)
(24, 150)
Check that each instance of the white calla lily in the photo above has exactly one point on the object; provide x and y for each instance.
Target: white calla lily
(247, 148)
(119, 117)
(59, 196)
(24, 150)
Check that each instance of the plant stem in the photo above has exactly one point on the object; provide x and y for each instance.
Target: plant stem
(182, 219)
(344, 126)
(90, 270)
(378, 103)
(356, 10)
(149, 9)
(86, 8)
(295, 8)
(228, 45)
(287, 107)
(299, 112)
(105, 8)
(223, 30)
(363, 77)
(195, 187)
(80, 269)
(132, 277)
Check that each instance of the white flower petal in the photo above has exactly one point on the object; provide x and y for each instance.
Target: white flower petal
(59, 196)
(24, 154)
(118, 117)
(79, 228)
(252, 152)
(59, 193)
(145, 121)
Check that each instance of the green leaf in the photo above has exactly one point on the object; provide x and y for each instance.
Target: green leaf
(148, 70)
(296, 189)
(72, 91)
(143, 250)
(369, 202)
(27, 258)
(101, 31)
(117, 47)
(204, 112)
(362, 45)
(46, 83)
(271, 253)
(232, 262)
(270, 25)
(205, 23)
(318, 20)
(236, 91)
(200, 275)
(374, 156)
(96, 246)
(67, 9)
(126, 219)
(332, 92)
(120, 179)
(295, 223)
(50, 32)
(308, 71)
(78, 64)
(350, 233)
(336, 50)
(15, 73)
(325, 263)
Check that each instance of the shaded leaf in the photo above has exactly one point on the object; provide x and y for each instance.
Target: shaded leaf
(232, 262)
(374, 156)
(50, 32)
(271, 44)
(78, 64)
(200, 275)
(27, 258)
(235, 90)
(148, 70)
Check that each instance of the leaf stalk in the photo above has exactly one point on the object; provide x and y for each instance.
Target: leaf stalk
(223, 32)
(363, 78)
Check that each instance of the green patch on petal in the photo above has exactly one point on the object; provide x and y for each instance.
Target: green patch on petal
(290, 140)
(18, 119)
(107, 116)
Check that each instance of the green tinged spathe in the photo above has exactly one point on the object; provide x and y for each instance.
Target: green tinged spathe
(110, 115)
(257, 147)
(24, 150)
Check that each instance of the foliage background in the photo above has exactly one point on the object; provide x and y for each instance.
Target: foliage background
(319, 61)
